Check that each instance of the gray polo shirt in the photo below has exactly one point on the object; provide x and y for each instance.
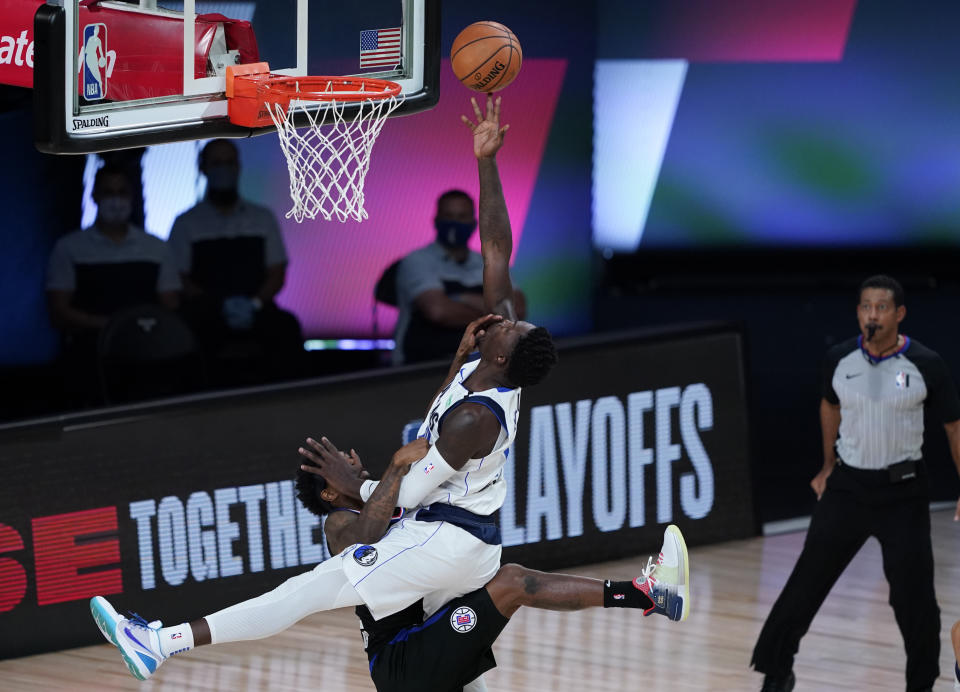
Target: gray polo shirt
(105, 276)
(204, 223)
(882, 401)
(429, 268)
(81, 250)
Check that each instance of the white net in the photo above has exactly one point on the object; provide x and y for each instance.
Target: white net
(329, 159)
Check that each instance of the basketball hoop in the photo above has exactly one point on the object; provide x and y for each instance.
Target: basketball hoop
(339, 119)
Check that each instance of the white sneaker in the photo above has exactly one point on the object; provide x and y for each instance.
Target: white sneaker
(137, 639)
(667, 583)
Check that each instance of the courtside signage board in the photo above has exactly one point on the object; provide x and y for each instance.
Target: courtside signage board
(181, 508)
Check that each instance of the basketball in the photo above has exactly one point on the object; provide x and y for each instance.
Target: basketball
(486, 56)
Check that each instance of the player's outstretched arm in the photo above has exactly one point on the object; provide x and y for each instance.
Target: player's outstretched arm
(345, 528)
(373, 520)
(496, 238)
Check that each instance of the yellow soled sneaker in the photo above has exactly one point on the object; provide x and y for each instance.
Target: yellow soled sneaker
(667, 582)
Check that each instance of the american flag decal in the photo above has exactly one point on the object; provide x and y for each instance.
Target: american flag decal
(379, 48)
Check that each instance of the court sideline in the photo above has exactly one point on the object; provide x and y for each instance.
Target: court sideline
(853, 644)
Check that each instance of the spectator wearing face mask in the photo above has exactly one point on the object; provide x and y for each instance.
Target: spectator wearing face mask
(233, 263)
(440, 286)
(96, 272)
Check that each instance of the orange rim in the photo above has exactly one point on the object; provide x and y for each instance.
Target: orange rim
(315, 88)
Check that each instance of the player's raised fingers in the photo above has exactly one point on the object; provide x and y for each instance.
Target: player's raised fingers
(468, 122)
(307, 454)
(329, 447)
(476, 109)
(496, 109)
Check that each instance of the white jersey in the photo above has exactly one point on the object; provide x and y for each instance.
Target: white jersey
(478, 486)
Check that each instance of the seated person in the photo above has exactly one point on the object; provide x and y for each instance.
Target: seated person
(231, 257)
(440, 286)
(97, 272)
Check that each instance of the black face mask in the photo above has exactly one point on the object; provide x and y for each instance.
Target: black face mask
(454, 233)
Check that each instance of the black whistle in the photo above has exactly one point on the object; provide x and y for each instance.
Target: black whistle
(871, 330)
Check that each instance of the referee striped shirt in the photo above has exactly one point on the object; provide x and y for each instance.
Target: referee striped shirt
(882, 401)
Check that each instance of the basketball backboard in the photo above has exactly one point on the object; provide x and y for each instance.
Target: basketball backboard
(112, 75)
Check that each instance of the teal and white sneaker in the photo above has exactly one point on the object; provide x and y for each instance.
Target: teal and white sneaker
(667, 583)
(137, 639)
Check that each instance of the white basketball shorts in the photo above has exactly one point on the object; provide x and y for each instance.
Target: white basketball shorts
(433, 560)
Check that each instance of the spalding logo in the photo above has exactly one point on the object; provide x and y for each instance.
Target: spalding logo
(481, 82)
(365, 555)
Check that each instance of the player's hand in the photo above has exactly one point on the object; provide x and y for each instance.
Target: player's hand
(404, 457)
(337, 468)
(473, 331)
(354, 459)
(819, 482)
(487, 133)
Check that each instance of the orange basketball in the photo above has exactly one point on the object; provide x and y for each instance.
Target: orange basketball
(486, 56)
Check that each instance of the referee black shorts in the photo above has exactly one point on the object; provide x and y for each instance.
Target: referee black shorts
(449, 650)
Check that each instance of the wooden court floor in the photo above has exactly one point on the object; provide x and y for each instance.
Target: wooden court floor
(854, 643)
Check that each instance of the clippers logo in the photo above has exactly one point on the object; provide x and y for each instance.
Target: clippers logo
(463, 619)
(365, 555)
(94, 62)
(902, 379)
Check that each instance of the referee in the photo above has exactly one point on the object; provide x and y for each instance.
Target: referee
(873, 483)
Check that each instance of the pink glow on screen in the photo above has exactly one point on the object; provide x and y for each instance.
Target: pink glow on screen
(334, 267)
(749, 30)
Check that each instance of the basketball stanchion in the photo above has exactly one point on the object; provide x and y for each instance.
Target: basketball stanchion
(327, 128)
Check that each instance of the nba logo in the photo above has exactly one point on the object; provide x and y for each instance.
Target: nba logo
(94, 62)
(902, 380)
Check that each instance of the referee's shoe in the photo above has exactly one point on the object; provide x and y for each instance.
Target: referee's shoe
(779, 684)
(667, 583)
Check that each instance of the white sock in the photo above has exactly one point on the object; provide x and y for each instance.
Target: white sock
(325, 587)
(176, 639)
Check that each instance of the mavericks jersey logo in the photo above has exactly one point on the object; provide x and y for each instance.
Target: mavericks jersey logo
(365, 555)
